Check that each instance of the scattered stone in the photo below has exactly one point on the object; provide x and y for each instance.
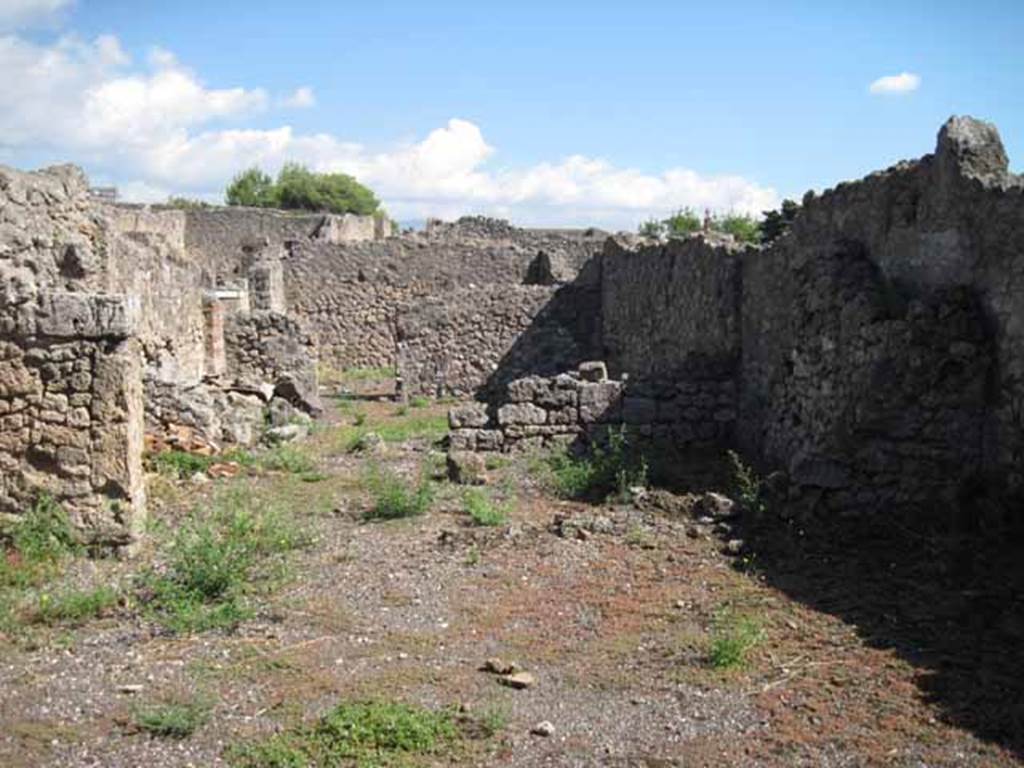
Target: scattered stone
(543, 728)
(716, 506)
(734, 546)
(286, 434)
(199, 478)
(498, 667)
(369, 442)
(466, 468)
(518, 680)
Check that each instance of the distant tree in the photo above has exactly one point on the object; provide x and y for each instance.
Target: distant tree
(186, 203)
(741, 226)
(682, 223)
(251, 187)
(775, 223)
(298, 188)
(652, 228)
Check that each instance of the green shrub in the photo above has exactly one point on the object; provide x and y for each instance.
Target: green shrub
(652, 228)
(683, 222)
(748, 486)
(172, 720)
(732, 639)
(212, 560)
(741, 226)
(366, 734)
(395, 498)
(483, 510)
(608, 469)
(75, 607)
(419, 401)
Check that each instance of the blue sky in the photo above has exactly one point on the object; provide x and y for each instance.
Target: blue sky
(564, 112)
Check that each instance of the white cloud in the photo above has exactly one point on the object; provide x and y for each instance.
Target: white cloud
(905, 82)
(20, 14)
(154, 130)
(301, 98)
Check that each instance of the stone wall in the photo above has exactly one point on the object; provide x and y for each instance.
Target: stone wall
(539, 412)
(872, 352)
(664, 307)
(380, 304)
(70, 381)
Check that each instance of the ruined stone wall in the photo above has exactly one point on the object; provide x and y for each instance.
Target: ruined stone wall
(355, 298)
(70, 379)
(881, 334)
(221, 235)
(538, 412)
(449, 345)
(665, 308)
(269, 347)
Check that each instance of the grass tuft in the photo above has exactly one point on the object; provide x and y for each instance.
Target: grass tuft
(364, 734)
(214, 558)
(395, 498)
(483, 510)
(172, 720)
(732, 639)
(75, 607)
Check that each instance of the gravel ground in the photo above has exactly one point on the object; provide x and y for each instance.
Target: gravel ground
(610, 609)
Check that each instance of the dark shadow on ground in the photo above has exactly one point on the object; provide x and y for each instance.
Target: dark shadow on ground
(951, 604)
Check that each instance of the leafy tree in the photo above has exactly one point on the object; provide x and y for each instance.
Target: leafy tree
(682, 223)
(741, 226)
(251, 187)
(298, 188)
(775, 223)
(652, 228)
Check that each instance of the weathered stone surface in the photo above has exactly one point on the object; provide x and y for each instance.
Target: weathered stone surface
(594, 370)
(521, 413)
(473, 415)
(466, 468)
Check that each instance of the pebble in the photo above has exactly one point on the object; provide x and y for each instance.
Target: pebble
(543, 728)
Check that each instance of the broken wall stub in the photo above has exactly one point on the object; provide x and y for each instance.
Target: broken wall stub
(71, 411)
(580, 406)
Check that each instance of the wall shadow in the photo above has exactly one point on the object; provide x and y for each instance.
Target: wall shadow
(951, 603)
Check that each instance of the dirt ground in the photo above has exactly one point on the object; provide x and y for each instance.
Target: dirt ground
(613, 609)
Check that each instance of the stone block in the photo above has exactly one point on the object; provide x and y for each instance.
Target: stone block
(471, 415)
(489, 440)
(594, 370)
(466, 468)
(599, 401)
(527, 390)
(521, 413)
(87, 315)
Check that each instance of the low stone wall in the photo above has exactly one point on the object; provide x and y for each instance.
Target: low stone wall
(71, 415)
(543, 412)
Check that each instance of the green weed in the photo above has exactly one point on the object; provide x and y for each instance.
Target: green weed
(213, 558)
(172, 720)
(732, 639)
(484, 510)
(395, 498)
(610, 469)
(419, 401)
(75, 607)
(364, 734)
